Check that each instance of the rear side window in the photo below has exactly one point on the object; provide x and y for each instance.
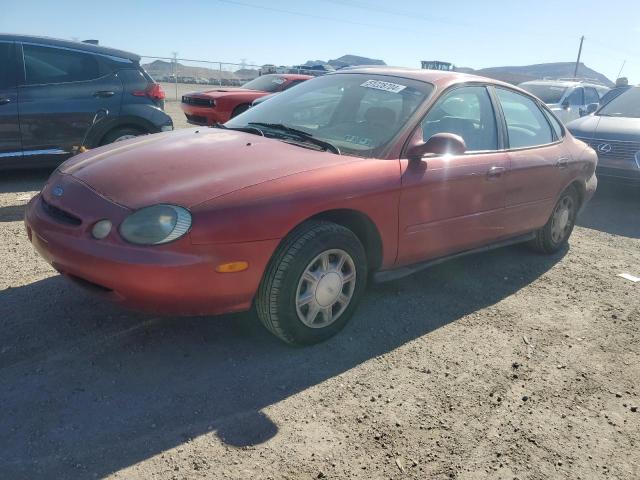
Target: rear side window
(555, 124)
(7, 68)
(56, 65)
(527, 126)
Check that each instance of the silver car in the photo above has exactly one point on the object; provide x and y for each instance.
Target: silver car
(567, 98)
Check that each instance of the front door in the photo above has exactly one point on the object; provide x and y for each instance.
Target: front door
(10, 146)
(453, 203)
(62, 91)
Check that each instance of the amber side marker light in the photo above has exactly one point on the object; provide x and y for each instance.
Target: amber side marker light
(232, 267)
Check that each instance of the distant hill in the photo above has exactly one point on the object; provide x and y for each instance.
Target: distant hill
(346, 61)
(519, 74)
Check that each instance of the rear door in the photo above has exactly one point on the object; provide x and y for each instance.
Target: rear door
(10, 146)
(539, 162)
(62, 89)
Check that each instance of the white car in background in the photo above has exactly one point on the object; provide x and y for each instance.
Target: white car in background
(567, 98)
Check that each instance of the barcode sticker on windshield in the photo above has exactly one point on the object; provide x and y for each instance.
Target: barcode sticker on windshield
(386, 86)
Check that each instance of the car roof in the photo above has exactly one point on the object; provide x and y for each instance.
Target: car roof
(564, 83)
(437, 77)
(289, 76)
(55, 42)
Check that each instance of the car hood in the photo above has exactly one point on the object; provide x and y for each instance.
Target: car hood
(606, 128)
(190, 166)
(218, 93)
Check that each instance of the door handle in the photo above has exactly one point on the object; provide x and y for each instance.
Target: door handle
(104, 94)
(4, 100)
(562, 162)
(495, 172)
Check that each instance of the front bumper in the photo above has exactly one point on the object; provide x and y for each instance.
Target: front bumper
(176, 278)
(204, 116)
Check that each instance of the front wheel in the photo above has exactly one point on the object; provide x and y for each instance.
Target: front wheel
(555, 234)
(313, 283)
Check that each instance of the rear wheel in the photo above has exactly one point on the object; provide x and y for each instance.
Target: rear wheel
(239, 109)
(555, 234)
(120, 134)
(313, 283)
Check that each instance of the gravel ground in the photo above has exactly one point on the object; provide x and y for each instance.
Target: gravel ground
(501, 365)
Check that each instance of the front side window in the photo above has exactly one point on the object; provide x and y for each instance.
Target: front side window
(576, 98)
(590, 96)
(467, 112)
(527, 126)
(358, 113)
(56, 65)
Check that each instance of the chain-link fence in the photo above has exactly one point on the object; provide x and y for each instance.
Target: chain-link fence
(181, 75)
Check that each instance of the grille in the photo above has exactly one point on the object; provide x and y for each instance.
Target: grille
(197, 119)
(200, 102)
(619, 150)
(59, 214)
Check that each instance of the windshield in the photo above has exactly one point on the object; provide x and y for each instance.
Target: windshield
(266, 83)
(625, 105)
(546, 93)
(358, 113)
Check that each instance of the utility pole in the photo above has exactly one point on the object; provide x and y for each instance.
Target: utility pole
(575, 71)
(175, 72)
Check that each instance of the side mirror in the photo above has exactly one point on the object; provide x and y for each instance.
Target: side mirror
(592, 107)
(565, 105)
(438, 144)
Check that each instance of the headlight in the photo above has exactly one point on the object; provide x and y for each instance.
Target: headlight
(155, 225)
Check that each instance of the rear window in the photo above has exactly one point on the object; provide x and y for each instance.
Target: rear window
(266, 83)
(546, 93)
(6, 60)
(57, 65)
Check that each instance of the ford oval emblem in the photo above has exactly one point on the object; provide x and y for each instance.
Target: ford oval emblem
(57, 191)
(604, 148)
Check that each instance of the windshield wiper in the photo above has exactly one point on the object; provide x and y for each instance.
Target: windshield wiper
(300, 134)
(239, 129)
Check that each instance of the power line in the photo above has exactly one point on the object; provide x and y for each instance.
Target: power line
(311, 15)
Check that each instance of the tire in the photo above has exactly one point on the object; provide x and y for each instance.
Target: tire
(239, 109)
(120, 134)
(305, 268)
(555, 234)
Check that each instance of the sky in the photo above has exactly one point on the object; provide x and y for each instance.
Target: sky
(467, 33)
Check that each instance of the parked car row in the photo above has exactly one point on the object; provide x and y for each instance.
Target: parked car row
(51, 90)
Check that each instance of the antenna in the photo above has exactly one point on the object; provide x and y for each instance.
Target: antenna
(623, 63)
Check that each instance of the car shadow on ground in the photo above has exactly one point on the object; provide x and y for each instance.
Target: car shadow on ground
(15, 181)
(615, 209)
(12, 213)
(89, 389)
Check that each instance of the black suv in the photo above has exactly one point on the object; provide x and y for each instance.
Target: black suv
(51, 90)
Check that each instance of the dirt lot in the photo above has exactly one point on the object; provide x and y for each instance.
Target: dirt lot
(501, 365)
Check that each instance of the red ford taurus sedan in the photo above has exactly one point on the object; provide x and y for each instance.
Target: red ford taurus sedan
(218, 106)
(293, 205)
